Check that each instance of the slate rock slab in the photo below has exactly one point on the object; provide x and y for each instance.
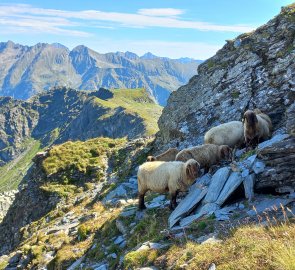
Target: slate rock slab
(268, 204)
(204, 180)
(216, 185)
(224, 213)
(249, 182)
(187, 204)
(234, 180)
(275, 139)
(206, 209)
(258, 166)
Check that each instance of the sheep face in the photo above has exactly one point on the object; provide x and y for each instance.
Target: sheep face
(250, 124)
(225, 152)
(151, 158)
(192, 168)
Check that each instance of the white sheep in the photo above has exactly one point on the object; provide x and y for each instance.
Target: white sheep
(206, 154)
(257, 127)
(231, 134)
(168, 155)
(160, 176)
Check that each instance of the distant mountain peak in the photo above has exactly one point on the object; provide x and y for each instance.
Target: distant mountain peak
(149, 55)
(58, 45)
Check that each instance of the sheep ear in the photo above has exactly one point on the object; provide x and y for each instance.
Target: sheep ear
(189, 171)
(223, 152)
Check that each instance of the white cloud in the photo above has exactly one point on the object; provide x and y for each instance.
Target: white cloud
(168, 12)
(164, 18)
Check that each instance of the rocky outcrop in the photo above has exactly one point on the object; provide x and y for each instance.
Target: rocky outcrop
(256, 69)
(27, 70)
(6, 199)
(279, 174)
(17, 120)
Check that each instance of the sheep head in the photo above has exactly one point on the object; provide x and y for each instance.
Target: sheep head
(192, 168)
(250, 123)
(225, 152)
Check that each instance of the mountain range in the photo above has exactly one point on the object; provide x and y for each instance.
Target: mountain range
(27, 70)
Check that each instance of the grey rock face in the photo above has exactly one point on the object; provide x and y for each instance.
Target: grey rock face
(6, 199)
(279, 173)
(254, 70)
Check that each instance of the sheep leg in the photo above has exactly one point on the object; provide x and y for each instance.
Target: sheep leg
(173, 202)
(141, 205)
(206, 169)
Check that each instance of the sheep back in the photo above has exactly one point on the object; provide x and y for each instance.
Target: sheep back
(231, 134)
(207, 154)
(168, 155)
(160, 176)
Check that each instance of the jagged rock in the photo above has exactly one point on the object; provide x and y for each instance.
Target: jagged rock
(113, 255)
(159, 199)
(268, 205)
(255, 70)
(153, 205)
(279, 158)
(211, 240)
(76, 264)
(212, 266)
(224, 213)
(204, 180)
(207, 209)
(187, 204)
(276, 139)
(128, 213)
(216, 185)
(151, 245)
(101, 267)
(203, 238)
(258, 167)
(249, 182)
(120, 191)
(119, 240)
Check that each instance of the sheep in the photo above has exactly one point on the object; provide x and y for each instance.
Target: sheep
(257, 127)
(231, 134)
(161, 176)
(168, 155)
(207, 154)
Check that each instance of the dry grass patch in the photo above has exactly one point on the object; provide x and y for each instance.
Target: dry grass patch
(251, 247)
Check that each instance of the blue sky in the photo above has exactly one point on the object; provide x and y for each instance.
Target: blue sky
(182, 28)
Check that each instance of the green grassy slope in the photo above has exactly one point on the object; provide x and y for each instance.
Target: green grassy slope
(136, 102)
(13, 172)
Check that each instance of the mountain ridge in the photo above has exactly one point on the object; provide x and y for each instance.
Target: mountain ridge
(28, 70)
